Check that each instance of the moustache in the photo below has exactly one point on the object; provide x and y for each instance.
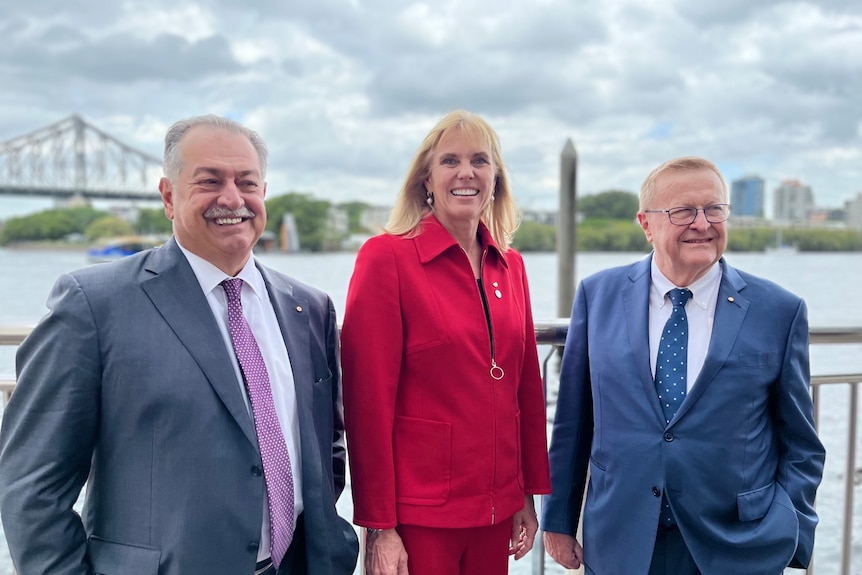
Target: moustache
(242, 212)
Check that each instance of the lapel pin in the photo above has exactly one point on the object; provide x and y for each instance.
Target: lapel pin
(299, 308)
(730, 299)
(498, 293)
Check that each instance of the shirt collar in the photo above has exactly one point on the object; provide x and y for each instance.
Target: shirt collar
(702, 290)
(210, 277)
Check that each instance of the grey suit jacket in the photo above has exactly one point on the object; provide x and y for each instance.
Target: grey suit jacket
(740, 462)
(127, 385)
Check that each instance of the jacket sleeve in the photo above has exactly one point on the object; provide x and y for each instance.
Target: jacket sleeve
(339, 449)
(47, 437)
(531, 401)
(371, 351)
(571, 436)
(802, 455)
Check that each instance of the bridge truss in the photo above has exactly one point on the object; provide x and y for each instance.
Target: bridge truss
(73, 159)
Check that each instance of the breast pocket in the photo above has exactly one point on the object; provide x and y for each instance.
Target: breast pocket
(112, 558)
(763, 359)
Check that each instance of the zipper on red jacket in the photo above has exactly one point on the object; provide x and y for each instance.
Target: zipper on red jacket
(496, 371)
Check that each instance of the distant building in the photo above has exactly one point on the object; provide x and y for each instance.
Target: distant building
(853, 212)
(540, 217)
(126, 213)
(373, 218)
(793, 202)
(338, 220)
(747, 197)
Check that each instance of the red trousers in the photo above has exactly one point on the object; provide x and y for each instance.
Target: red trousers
(464, 551)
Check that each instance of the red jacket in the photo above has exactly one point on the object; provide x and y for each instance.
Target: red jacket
(433, 438)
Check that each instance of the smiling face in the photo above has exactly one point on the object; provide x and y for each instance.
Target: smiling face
(685, 253)
(462, 178)
(216, 203)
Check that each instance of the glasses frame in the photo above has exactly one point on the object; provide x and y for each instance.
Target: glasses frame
(694, 217)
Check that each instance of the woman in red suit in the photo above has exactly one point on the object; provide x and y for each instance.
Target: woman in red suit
(443, 396)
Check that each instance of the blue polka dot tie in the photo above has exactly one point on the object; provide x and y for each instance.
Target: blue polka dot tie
(671, 365)
(671, 368)
(273, 449)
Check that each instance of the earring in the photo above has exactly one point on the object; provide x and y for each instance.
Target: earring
(493, 197)
(429, 199)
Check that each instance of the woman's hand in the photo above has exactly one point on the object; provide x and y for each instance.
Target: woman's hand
(525, 525)
(385, 553)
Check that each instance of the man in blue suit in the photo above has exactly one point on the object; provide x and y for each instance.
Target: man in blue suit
(719, 476)
(131, 383)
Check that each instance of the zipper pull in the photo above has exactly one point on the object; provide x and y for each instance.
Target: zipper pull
(496, 371)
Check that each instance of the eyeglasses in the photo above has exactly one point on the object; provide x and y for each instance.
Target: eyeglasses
(714, 214)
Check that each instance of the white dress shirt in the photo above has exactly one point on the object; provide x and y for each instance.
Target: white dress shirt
(699, 310)
(260, 315)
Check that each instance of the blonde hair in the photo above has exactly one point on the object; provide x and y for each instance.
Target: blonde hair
(682, 164)
(500, 215)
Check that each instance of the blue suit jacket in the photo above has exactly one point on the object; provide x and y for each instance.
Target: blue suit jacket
(740, 461)
(127, 384)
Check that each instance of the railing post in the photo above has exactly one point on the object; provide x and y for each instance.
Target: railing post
(539, 545)
(815, 398)
(850, 470)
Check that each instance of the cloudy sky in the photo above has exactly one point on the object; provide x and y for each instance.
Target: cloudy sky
(344, 90)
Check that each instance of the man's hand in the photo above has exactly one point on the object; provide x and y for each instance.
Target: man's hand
(385, 553)
(524, 529)
(564, 549)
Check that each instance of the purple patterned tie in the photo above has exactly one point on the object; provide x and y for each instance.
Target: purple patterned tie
(273, 450)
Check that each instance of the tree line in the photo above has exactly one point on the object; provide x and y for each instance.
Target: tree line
(607, 223)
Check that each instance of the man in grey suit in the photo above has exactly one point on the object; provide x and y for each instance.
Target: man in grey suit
(712, 467)
(131, 384)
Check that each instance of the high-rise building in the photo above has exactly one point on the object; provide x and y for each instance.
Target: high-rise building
(793, 201)
(746, 197)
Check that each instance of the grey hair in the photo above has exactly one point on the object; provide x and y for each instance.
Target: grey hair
(685, 163)
(173, 160)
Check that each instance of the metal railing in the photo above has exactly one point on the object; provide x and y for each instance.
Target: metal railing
(553, 333)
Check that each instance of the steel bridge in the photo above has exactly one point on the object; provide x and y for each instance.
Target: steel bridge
(72, 159)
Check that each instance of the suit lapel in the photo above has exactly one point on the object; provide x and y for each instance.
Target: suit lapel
(636, 309)
(292, 313)
(176, 293)
(730, 311)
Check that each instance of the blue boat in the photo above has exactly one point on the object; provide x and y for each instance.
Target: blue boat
(116, 248)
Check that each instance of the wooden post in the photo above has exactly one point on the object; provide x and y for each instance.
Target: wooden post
(566, 230)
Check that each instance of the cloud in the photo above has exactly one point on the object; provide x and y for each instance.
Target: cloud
(344, 90)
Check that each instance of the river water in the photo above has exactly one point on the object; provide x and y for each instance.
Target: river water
(830, 283)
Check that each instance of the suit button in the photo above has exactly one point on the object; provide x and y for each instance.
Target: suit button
(253, 547)
(656, 491)
(668, 436)
(256, 470)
